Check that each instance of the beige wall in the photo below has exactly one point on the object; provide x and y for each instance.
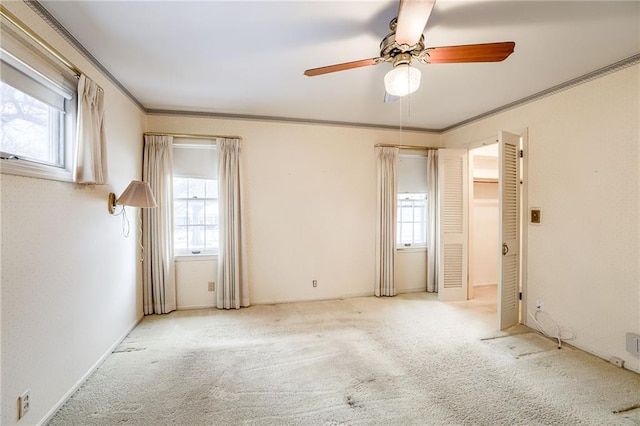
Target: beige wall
(70, 280)
(310, 198)
(583, 159)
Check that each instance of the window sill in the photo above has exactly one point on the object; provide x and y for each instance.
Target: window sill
(35, 170)
(195, 257)
(411, 249)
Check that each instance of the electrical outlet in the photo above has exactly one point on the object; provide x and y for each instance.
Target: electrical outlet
(539, 306)
(24, 404)
(212, 286)
(618, 362)
(315, 283)
(536, 215)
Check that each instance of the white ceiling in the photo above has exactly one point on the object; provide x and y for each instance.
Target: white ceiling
(248, 58)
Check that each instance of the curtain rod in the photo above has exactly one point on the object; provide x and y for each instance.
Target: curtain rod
(407, 146)
(36, 38)
(190, 136)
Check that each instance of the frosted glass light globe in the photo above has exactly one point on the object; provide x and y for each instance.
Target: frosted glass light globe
(402, 80)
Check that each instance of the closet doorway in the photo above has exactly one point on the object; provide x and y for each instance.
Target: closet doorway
(484, 235)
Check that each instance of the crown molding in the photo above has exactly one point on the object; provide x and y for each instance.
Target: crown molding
(69, 38)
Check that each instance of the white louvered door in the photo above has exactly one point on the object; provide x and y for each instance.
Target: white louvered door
(453, 185)
(509, 226)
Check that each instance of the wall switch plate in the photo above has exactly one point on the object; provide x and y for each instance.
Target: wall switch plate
(315, 283)
(633, 343)
(212, 286)
(24, 403)
(536, 215)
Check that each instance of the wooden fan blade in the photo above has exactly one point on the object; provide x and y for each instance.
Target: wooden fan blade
(489, 52)
(412, 18)
(341, 67)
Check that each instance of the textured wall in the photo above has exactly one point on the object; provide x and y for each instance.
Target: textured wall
(310, 200)
(192, 282)
(583, 159)
(70, 280)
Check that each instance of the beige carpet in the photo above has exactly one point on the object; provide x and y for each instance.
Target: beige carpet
(408, 360)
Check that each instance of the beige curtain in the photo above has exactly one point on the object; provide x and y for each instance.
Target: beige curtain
(432, 221)
(91, 139)
(159, 289)
(233, 285)
(387, 160)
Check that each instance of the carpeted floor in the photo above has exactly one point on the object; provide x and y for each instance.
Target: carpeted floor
(408, 360)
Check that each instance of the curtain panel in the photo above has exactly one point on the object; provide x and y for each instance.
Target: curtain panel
(387, 173)
(91, 139)
(432, 221)
(159, 288)
(233, 284)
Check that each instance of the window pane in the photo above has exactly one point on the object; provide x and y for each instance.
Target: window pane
(211, 215)
(196, 217)
(196, 238)
(196, 212)
(411, 229)
(180, 213)
(211, 188)
(406, 214)
(407, 233)
(180, 238)
(180, 187)
(29, 128)
(196, 188)
(418, 233)
(211, 237)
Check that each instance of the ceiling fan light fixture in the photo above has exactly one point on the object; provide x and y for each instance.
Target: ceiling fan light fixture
(402, 80)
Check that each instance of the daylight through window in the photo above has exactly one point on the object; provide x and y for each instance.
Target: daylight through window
(412, 220)
(195, 215)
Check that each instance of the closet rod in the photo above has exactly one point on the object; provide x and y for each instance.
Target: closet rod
(427, 148)
(190, 136)
(36, 38)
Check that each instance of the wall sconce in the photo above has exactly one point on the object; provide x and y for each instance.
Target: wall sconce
(137, 194)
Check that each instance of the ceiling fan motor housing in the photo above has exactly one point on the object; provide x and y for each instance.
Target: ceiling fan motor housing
(391, 51)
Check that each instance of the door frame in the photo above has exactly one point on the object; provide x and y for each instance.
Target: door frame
(524, 223)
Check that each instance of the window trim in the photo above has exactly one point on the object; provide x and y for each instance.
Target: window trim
(413, 246)
(184, 255)
(66, 139)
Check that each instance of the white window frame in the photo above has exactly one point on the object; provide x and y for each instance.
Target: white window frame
(175, 225)
(65, 136)
(197, 144)
(412, 197)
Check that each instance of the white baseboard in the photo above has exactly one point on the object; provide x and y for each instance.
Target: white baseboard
(278, 301)
(412, 290)
(47, 418)
(192, 307)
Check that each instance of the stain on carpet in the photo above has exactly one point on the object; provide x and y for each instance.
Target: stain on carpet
(523, 344)
(121, 350)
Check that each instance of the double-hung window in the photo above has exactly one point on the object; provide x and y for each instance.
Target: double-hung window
(411, 203)
(412, 220)
(38, 109)
(195, 197)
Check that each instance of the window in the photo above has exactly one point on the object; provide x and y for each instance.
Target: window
(38, 108)
(195, 197)
(195, 216)
(412, 201)
(412, 220)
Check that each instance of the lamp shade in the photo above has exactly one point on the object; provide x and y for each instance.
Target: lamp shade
(402, 80)
(137, 194)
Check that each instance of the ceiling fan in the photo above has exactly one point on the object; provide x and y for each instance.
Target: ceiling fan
(406, 43)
